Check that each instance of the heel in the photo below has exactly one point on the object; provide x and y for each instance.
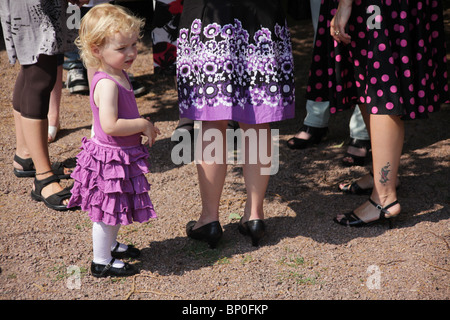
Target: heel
(210, 233)
(256, 229)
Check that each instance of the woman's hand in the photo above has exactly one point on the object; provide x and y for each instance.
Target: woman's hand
(151, 132)
(340, 20)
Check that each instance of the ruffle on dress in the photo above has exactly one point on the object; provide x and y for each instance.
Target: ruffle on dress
(109, 183)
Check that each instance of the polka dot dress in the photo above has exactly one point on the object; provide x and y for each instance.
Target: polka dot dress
(395, 64)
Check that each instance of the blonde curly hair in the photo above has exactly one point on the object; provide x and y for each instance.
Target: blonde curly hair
(101, 22)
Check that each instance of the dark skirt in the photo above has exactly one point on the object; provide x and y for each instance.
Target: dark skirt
(395, 64)
(234, 61)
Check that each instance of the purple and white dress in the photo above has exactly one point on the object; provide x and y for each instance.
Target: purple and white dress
(109, 179)
(234, 61)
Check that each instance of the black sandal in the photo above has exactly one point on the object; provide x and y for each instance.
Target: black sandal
(316, 136)
(27, 165)
(354, 188)
(357, 160)
(28, 169)
(54, 201)
(352, 220)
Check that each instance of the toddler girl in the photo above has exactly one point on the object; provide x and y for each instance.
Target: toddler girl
(109, 178)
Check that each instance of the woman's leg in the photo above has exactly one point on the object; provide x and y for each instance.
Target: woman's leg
(255, 181)
(31, 101)
(211, 172)
(387, 136)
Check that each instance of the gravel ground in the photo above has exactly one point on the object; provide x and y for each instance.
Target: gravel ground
(306, 256)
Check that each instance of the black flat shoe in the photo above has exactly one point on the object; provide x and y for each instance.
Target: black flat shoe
(210, 233)
(352, 220)
(316, 136)
(256, 229)
(131, 252)
(101, 270)
(350, 160)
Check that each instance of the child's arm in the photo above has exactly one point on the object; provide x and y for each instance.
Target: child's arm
(105, 97)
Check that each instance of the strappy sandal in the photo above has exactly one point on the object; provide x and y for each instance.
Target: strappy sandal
(354, 188)
(28, 170)
(354, 160)
(352, 220)
(55, 200)
(317, 134)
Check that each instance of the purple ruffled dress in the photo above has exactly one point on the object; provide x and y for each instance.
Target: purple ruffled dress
(109, 180)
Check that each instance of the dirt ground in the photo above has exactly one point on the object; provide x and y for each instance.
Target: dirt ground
(45, 255)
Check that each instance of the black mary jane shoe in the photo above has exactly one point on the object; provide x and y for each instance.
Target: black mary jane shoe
(210, 233)
(28, 169)
(350, 160)
(256, 229)
(55, 200)
(131, 252)
(316, 136)
(352, 220)
(101, 270)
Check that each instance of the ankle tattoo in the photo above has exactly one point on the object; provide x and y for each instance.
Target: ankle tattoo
(384, 173)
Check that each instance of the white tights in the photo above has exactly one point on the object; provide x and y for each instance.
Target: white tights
(103, 241)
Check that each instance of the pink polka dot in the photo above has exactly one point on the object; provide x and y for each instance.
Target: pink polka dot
(374, 110)
(412, 115)
(333, 110)
(393, 89)
(380, 93)
(405, 59)
(381, 47)
(430, 108)
(407, 73)
(421, 109)
(389, 106)
(376, 65)
(385, 77)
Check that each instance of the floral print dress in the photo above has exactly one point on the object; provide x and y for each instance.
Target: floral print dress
(234, 61)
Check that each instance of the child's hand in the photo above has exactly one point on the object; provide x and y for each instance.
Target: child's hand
(151, 132)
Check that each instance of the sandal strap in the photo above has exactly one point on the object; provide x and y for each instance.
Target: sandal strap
(41, 184)
(27, 164)
(58, 167)
(57, 198)
(383, 210)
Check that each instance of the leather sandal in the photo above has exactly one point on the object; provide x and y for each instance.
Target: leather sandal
(316, 136)
(27, 165)
(354, 188)
(28, 170)
(55, 200)
(354, 160)
(352, 220)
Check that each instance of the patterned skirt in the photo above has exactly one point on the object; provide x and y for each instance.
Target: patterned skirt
(234, 61)
(395, 64)
(109, 183)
